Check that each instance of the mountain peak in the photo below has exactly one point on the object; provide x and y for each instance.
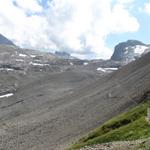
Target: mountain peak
(5, 41)
(129, 50)
(134, 42)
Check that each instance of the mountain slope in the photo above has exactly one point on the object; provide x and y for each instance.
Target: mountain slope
(39, 117)
(5, 41)
(131, 125)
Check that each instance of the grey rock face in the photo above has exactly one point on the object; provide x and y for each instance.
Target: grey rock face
(129, 50)
(64, 55)
(5, 41)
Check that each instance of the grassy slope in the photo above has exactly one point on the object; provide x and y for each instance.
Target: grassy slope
(131, 125)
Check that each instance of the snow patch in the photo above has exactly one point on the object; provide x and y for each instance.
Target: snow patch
(126, 52)
(22, 55)
(139, 49)
(6, 95)
(19, 60)
(101, 69)
(113, 69)
(6, 69)
(71, 64)
(33, 56)
(38, 64)
(85, 63)
(106, 69)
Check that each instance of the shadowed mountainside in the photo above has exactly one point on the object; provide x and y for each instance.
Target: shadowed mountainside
(5, 41)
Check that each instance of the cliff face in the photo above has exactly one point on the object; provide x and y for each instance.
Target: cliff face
(129, 50)
(5, 41)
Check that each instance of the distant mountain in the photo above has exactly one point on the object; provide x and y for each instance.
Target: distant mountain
(64, 55)
(5, 41)
(129, 50)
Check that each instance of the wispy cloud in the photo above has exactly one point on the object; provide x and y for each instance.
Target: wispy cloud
(147, 8)
(78, 26)
(28, 5)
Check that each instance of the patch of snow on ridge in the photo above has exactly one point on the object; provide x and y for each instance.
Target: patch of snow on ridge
(6, 95)
(6, 69)
(33, 56)
(19, 60)
(139, 49)
(106, 69)
(101, 69)
(22, 55)
(71, 64)
(113, 69)
(38, 64)
(85, 63)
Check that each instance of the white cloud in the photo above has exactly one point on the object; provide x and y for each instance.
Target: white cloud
(24, 30)
(28, 5)
(147, 8)
(78, 26)
(125, 1)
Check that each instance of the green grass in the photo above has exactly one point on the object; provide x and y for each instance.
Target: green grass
(131, 125)
(144, 146)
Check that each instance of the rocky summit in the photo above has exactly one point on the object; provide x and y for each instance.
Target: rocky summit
(5, 41)
(129, 50)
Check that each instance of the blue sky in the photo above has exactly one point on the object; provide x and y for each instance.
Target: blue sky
(143, 33)
(86, 29)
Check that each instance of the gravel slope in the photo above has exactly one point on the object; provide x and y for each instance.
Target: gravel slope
(121, 145)
(51, 112)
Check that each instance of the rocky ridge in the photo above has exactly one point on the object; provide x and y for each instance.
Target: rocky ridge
(129, 51)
